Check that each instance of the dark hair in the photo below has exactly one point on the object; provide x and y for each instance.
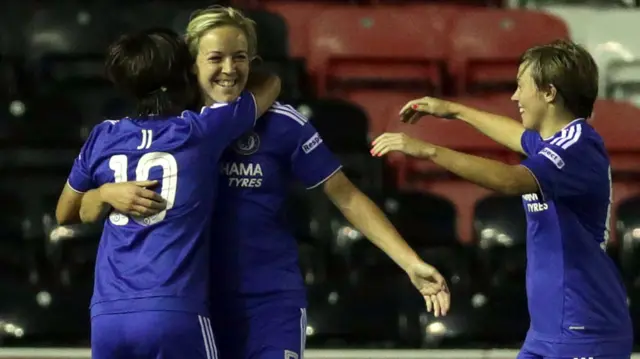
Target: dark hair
(570, 69)
(154, 67)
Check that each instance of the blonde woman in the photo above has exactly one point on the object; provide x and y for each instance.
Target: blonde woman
(258, 297)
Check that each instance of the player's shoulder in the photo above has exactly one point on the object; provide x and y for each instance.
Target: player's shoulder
(286, 116)
(218, 107)
(106, 128)
(102, 135)
(577, 143)
(204, 111)
(576, 136)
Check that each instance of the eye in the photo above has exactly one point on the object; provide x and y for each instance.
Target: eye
(241, 57)
(215, 59)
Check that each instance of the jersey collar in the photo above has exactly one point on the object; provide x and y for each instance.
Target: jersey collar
(564, 128)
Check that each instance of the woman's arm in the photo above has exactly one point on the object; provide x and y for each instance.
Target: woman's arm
(504, 130)
(68, 207)
(488, 173)
(371, 221)
(131, 198)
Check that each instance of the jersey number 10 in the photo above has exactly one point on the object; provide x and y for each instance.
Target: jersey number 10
(169, 184)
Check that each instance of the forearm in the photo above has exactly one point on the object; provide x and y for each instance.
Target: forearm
(503, 130)
(484, 172)
(365, 216)
(265, 89)
(93, 208)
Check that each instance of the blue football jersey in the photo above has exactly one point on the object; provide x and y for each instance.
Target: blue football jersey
(159, 262)
(254, 249)
(577, 300)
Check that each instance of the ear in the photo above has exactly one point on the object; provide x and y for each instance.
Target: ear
(194, 69)
(256, 61)
(550, 93)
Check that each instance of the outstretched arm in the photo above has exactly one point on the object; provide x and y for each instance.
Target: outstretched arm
(494, 175)
(503, 130)
(506, 131)
(370, 220)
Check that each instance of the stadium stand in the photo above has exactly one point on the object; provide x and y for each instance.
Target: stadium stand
(487, 45)
(349, 66)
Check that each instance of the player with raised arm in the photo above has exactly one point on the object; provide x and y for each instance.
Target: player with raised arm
(577, 300)
(151, 286)
(257, 288)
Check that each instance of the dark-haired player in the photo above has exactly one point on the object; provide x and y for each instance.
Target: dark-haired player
(151, 281)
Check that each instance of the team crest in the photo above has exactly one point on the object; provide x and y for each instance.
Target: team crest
(247, 144)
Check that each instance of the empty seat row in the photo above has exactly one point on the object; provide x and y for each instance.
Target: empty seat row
(411, 44)
(477, 47)
(414, 43)
(33, 29)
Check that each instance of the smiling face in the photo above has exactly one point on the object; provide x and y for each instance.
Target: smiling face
(532, 102)
(222, 64)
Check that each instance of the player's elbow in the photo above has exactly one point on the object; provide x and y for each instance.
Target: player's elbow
(86, 216)
(340, 190)
(68, 208)
(93, 215)
(511, 189)
(518, 181)
(64, 216)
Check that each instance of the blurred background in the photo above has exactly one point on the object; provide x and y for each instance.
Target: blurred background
(349, 67)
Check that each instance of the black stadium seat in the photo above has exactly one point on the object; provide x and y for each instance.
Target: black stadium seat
(66, 28)
(273, 35)
(500, 231)
(629, 237)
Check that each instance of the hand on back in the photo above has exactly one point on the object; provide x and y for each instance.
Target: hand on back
(133, 198)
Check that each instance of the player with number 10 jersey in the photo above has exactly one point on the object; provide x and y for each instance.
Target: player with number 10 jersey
(146, 263)
(151, 277)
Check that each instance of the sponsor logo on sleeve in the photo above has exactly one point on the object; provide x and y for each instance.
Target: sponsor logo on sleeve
(312, 143)
(553, 157)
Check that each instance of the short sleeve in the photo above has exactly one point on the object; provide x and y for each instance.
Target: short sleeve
(312, 162)
(561, 172)
(228, 121)
(530, 142)
(80, 179)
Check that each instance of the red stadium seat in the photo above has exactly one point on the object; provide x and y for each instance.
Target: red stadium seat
(298, 15)
(499, 104)
(379, 106)
(469, 3)
(487, 44)
(405, 44)
(619, 125)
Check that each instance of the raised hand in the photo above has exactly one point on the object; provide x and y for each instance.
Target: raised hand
(415, 109)
(389, 142)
